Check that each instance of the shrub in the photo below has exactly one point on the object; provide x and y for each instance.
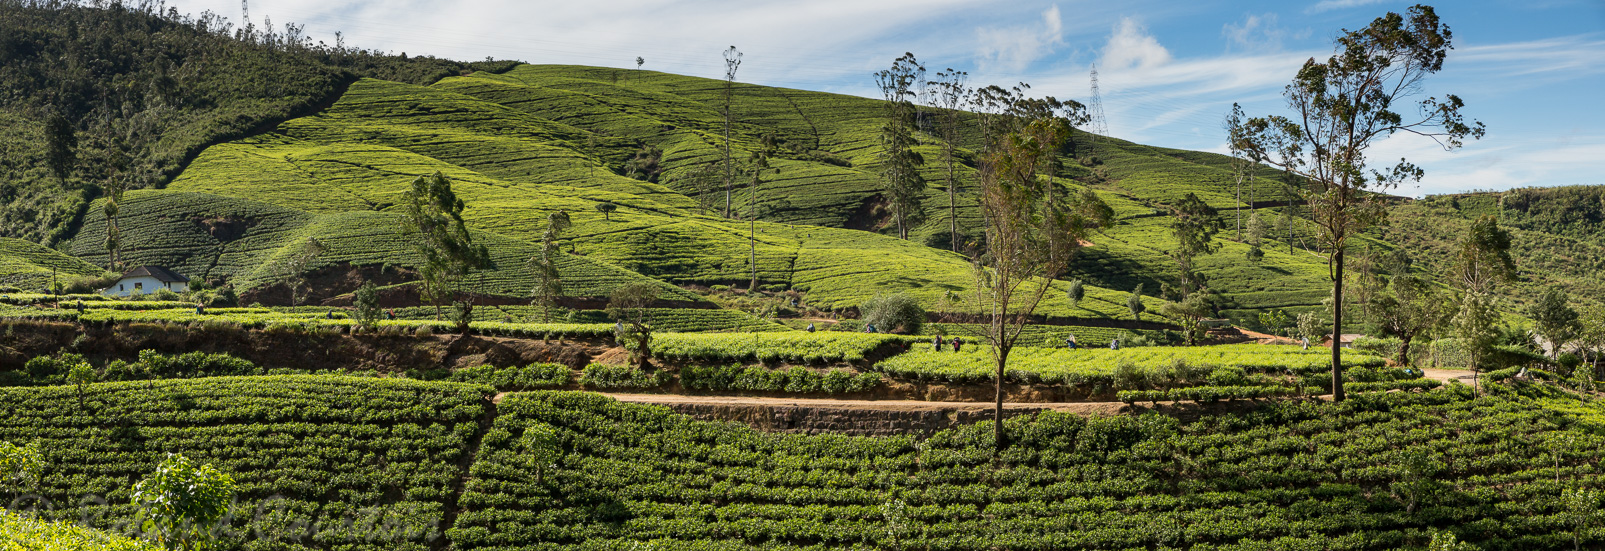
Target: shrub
(51, 370)
(889, 312)
(624, 376)
(1229, 376)
(796, 380)
(366, 299)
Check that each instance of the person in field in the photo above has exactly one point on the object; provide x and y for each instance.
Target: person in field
(936, 344)
(957, 342)
(1070, 342)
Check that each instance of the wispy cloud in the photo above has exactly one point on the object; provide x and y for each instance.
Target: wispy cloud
(1014, 48)
(1255, 33)
(1499, 161)
(1329, 5)
(1572, 56)
(1130, 46)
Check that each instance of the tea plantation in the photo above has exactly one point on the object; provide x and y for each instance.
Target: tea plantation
(344, 463)
(1383, 471)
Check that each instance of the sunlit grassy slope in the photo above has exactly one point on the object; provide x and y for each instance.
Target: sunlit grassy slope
(30, 266)
(538, 139)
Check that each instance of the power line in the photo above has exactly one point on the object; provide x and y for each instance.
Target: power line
(1100, 125)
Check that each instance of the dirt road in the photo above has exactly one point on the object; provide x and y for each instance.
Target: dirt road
(1445, 375)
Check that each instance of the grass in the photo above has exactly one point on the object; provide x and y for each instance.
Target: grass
(170, 229)
(30, 266)
(1061, 366)
(28, 533)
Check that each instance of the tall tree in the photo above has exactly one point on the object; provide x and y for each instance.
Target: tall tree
(293, 270)
(1021, 258)
(1194, 224)
(1134, 303)
(950, 93)
(628, 305)
(1341, 108)
(900, 176)
(548, 279)
(1407, 307)
(114, 233)
(1255, 236)
(435, 220)
(61, 145)
(1481, 263)
(1554, 319)
(732, 61)
(366, 302)
(1591, 336)
(1240, 163)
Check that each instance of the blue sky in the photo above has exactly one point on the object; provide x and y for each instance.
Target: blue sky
(1531, 70)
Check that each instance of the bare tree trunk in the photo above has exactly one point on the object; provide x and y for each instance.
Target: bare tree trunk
(1337, 327)
(752, 254)
(727, 175)
(1404, 350)
(1238, 209)
(952, 208)
(752, 230)
(997, 411)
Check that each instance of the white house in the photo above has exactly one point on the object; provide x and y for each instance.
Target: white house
(146, 280)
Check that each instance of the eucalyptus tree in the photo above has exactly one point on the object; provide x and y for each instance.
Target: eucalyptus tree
(1343, 106)
(434, 216)
(950, 93)
(900, 175)
(732, 62)
(548, 278)
(1027, 243)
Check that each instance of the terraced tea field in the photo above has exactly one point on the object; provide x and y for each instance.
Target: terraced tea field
(537, 139)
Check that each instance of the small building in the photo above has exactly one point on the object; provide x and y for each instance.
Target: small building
(146, 280)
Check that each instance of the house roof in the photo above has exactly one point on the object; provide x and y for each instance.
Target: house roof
(158, 272)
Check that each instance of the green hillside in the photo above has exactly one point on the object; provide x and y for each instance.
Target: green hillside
(210, 237)
(523, 141)
(136, 90)
(541, 138)
(360, 154)
(1557, 236)
(30, 266)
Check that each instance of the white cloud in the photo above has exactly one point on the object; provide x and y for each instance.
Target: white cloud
(1255, 33)
(1014, 48)
(1572, 56)
(1130, 46)
(1499, 161)
(1329, 5)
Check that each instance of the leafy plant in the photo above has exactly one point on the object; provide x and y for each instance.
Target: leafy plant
(182, 503)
